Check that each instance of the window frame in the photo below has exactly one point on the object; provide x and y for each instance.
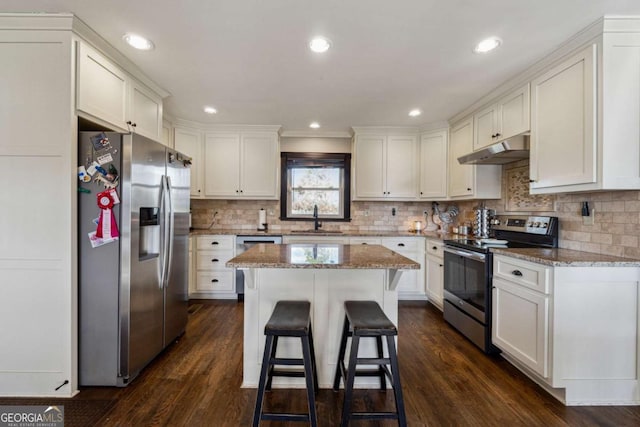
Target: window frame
(344, 158)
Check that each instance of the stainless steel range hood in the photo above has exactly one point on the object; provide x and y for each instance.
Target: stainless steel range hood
(507, 151)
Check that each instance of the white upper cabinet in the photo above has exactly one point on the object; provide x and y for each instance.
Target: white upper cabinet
(485, 127)
(145, 110)
(102, 87)
(107, 94)
(433, 164)
(585, 126)
(563, 134)
(241, 165)
(189, 142)
(470, 181)
(222, 159)
(506, 118)
(513, 113)
(385, 166)
(167, 134)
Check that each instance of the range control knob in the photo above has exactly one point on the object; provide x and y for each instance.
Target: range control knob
(537, 225)
(530, 224)
(544, 225)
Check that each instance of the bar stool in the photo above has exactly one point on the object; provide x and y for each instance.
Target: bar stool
(366, 319)
(289, 319)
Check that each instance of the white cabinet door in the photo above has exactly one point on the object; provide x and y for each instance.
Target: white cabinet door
(402, 164)
(435, 280)
(259, 165)
(222, 160)
(433, 164)
(167, 134)
(485, 127)
(370, 166)
(189, 142)
(102, 88)
(520, 324)
(563, 136)
(461, 143)
(145, 111)
(513, 113)
(411, 284)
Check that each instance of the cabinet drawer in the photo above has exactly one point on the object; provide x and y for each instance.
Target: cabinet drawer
(213, 260)
(364, 241)
(524, 273)
(435, 248)
(215, 281)
(222, 243)
(401, 244)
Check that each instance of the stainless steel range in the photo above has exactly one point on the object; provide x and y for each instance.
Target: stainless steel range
(468, 264)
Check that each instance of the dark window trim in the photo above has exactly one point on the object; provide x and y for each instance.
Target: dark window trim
(345, 157)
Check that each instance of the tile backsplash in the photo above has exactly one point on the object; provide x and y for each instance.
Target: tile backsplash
(616, 230)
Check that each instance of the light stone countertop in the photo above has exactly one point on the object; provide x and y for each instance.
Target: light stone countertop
(566, 257)
(322, 256)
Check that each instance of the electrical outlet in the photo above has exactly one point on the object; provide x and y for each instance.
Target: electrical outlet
(591, 219)
(366, 212)
(271, 212)
(393, 211)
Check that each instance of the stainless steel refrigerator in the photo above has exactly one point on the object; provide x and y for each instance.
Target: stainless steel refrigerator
(133, 292)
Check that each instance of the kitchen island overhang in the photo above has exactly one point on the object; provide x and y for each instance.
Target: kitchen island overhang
(326, 275)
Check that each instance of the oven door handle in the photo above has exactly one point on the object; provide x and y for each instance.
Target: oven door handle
(466, 254)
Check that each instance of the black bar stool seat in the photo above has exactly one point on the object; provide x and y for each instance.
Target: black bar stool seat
(289, 319)
(366, 319)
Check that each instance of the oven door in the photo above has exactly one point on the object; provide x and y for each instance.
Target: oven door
(466, 281)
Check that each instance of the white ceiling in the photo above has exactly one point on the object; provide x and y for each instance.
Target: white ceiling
(249, 58)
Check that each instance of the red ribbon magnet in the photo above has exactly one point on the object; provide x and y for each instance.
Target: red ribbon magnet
(107, 227)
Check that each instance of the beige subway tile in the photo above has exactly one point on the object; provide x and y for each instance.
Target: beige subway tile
(632, 253)
(625, 217)
(609, 227)
(624, 195)
(590, 247)
(578, 236)
(612, 250)
(602, 238)
(613, 206)
(632, 206)
(569, 244)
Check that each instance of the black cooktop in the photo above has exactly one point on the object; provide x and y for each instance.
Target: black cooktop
(484, 245)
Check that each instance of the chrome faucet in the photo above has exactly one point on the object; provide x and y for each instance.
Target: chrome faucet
(316, 224)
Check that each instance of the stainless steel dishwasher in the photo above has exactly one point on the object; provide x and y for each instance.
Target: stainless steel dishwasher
(244, 242)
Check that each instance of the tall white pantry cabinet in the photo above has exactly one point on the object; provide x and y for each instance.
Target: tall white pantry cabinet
(38, 210)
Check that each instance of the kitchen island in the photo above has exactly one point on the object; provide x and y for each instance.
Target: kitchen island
(325, 275)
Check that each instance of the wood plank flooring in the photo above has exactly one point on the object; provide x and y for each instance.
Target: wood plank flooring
(446, 382)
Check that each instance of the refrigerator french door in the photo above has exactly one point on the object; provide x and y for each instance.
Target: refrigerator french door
(133, 292)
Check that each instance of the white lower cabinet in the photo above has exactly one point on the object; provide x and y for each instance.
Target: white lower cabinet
(411, 284)
(521, 324)
(434, 267)
(212, 279)
(573, 330)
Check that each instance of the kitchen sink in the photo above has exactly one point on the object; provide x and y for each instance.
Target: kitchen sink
(312, 231)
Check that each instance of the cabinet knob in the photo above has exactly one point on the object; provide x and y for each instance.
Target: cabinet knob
(435, 248)
(517, 273)
(131, 124)
(214, 243)
(532, 180)
(364, 243)
(237, 191)
(214, 280)
(241, 191)
(401, 244)
(421, 193)
(493, 136)
(468, 189)
(441, 265)
(198, 191)
(215, 260)
(498, 134)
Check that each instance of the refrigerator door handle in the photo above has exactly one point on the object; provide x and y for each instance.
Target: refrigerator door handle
(170, 233)
(163, 228)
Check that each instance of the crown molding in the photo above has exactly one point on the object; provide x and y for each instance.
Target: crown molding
(387, 130)
(315, 134)
(209, 127)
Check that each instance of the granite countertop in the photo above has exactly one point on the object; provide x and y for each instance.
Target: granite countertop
(322, 256)
(566, 257)
(240, 232)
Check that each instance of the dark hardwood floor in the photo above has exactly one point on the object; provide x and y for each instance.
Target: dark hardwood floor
(446, 381)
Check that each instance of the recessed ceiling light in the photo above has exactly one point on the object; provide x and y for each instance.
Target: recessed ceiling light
(138, 42)
(320, 44)
(415, 112)
(314, 125)
(210, 110)
(487, 45)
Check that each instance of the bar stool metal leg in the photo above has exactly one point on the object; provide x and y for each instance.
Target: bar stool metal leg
(348, 381)
(341, 352)
(313, 361)
(309, 377)
(268, 345)
(393, 358)
(383, 376)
